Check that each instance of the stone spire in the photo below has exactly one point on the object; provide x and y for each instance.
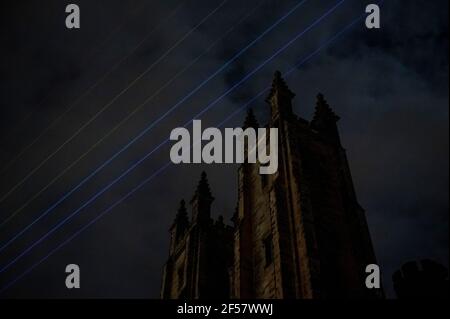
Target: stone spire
(250, 120)
(203, 189)
(182, 215)
(280, 97)
(323, 112)
(201, 202)
(324, 120)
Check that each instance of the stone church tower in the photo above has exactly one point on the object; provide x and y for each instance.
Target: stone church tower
(200, 254)
(299, 233)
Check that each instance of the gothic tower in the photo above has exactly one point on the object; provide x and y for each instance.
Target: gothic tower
(200, 252)
(300, 233)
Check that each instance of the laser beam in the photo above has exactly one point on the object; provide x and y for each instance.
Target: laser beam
(141, 160)
(149, 127)
(71, 107)
(130, 115)
(303, 61)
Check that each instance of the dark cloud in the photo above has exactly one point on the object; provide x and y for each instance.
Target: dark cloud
(389, 86)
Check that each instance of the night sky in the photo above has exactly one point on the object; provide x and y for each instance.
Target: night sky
(389, 86)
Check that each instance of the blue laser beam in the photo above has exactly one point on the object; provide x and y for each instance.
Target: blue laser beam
(149, 127)
(111, 102)
(87, 58)
(141, 160)
(303, 61)
(72, 105)
(130, 115)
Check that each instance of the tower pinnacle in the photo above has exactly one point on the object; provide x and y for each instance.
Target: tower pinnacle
(250, 120)
(279, 86)
(201, 202)
(324, 120)
(323, 111)
(182, 215)
(203, 189)
(280, 97)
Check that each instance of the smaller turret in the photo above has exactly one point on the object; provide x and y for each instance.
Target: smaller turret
(201, 202)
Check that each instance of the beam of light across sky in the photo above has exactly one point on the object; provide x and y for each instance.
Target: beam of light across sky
(141, 160)
(130, 115)
(71, 106)
(154, 123)
(298, 65)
